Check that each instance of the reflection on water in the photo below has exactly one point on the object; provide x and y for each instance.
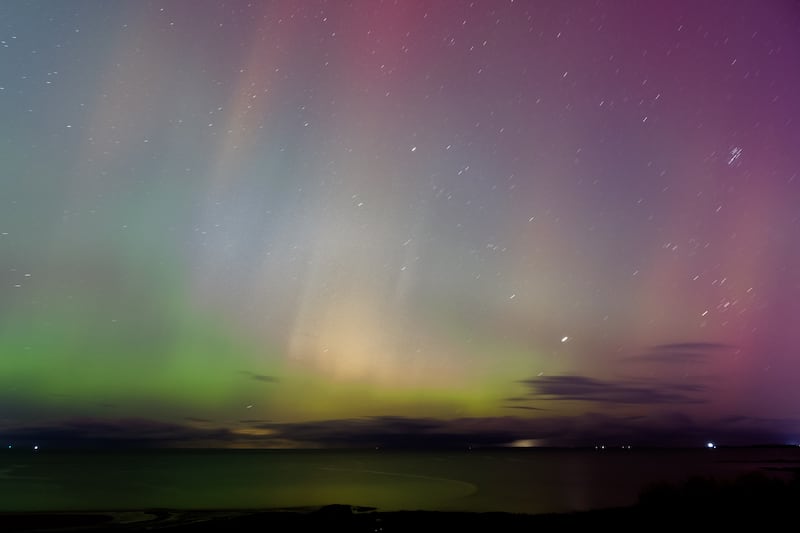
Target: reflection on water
(528, 481)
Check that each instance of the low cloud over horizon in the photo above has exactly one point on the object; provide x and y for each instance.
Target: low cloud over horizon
(670, 429)
(640, 392)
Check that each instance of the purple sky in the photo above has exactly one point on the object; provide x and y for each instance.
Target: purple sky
(337, 223)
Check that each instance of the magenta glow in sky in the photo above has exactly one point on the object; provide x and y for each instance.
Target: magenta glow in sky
(278, 223)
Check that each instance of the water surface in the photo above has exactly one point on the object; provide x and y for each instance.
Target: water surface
(527, 481)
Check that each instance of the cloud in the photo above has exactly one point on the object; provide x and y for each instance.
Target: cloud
(515, 402)
(664, 429)
(260, 377)
(110, 433)
(582, 388)
(589, 429)
(395, 432)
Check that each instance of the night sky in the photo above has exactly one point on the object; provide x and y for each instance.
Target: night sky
(311, 223)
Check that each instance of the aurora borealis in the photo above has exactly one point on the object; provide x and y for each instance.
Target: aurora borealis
(301, 223)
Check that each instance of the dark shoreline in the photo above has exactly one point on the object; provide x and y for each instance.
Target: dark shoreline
(332, 518)
(343, 518)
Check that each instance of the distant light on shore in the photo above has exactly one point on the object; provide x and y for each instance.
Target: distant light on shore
(526, 443)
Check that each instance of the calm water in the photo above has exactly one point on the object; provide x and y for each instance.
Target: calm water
(529, 481)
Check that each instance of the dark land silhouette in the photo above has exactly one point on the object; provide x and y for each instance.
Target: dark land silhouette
(758, 500)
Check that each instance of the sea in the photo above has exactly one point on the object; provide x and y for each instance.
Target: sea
(507, 480)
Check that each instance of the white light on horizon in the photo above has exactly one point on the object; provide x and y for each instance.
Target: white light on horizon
(525, 443)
